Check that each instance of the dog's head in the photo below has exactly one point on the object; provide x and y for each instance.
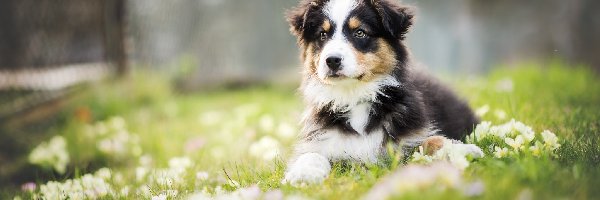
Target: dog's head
(350, 40)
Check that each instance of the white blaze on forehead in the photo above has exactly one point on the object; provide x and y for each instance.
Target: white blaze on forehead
(338, 11)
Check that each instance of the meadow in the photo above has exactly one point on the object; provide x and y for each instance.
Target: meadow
(138, 138)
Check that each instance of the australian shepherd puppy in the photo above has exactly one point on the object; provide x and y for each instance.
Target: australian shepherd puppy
(360, 89)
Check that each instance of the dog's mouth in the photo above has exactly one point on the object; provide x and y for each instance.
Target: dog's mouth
(337, 76)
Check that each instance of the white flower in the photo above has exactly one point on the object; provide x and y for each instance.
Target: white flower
(481, 111)
(500, 152)
(550, 140)
(140, 173)
(87, 186)
(202, 176)
(169, 177)
(516, 143)
(266, 123)
(482, 130)
(146, 160)
(420, 157)
(525, 131)
(103, 173)
(266, 148)
(457, 153)
(120, 143)
(166, 178)
(117, 123)
(503, 130)
(51, 154)
(536, 149)
(180, 163)
(500, 114)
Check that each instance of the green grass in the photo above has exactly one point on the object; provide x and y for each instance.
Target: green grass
(228, 122)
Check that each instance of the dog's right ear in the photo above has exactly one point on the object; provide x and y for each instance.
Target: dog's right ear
(296, 17)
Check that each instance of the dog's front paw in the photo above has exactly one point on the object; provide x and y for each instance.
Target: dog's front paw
(309, 168)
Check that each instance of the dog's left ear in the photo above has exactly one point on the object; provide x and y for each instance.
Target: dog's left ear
(396, 18)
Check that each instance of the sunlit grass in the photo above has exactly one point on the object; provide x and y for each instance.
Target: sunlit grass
(230, 136)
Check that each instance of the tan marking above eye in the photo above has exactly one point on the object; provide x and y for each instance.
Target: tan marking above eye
(326, 26)
(354, 23)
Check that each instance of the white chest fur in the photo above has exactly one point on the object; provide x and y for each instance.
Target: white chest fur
(358, 117)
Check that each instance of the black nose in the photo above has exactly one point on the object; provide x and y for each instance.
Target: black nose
(334, 63)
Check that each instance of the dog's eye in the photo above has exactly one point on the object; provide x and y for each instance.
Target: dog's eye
(360, 34)
(323, 36)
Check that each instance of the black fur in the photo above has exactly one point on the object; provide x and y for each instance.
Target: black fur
(328, 118)
(420, 102)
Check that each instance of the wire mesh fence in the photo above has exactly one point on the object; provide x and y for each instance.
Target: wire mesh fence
(50, 45)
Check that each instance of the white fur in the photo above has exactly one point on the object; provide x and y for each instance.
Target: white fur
(338, 11)
(338, 146)
(359, 116)
(308, 168)
(345, 96)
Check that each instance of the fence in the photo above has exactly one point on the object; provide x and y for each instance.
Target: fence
(50, 45)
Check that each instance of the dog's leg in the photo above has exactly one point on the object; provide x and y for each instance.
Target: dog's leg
(433, 144)
(307, 168)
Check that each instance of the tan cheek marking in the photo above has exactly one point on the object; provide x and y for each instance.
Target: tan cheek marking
(354, 23)
(310, 60)
(377, 63)
(326, 26)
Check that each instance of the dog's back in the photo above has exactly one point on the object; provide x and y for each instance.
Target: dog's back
(451, 115)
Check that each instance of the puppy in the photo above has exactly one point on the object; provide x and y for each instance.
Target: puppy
(360, 90)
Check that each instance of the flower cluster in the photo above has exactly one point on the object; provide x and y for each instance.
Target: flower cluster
(89, 186)
(517, 138)
(114, 139)
(166, 178)
(264, 134)
(52, 154)
(454, 152)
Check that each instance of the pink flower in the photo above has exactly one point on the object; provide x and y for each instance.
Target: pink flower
(29, 187)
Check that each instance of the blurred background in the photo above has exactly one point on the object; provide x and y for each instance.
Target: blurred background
(50, 49)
